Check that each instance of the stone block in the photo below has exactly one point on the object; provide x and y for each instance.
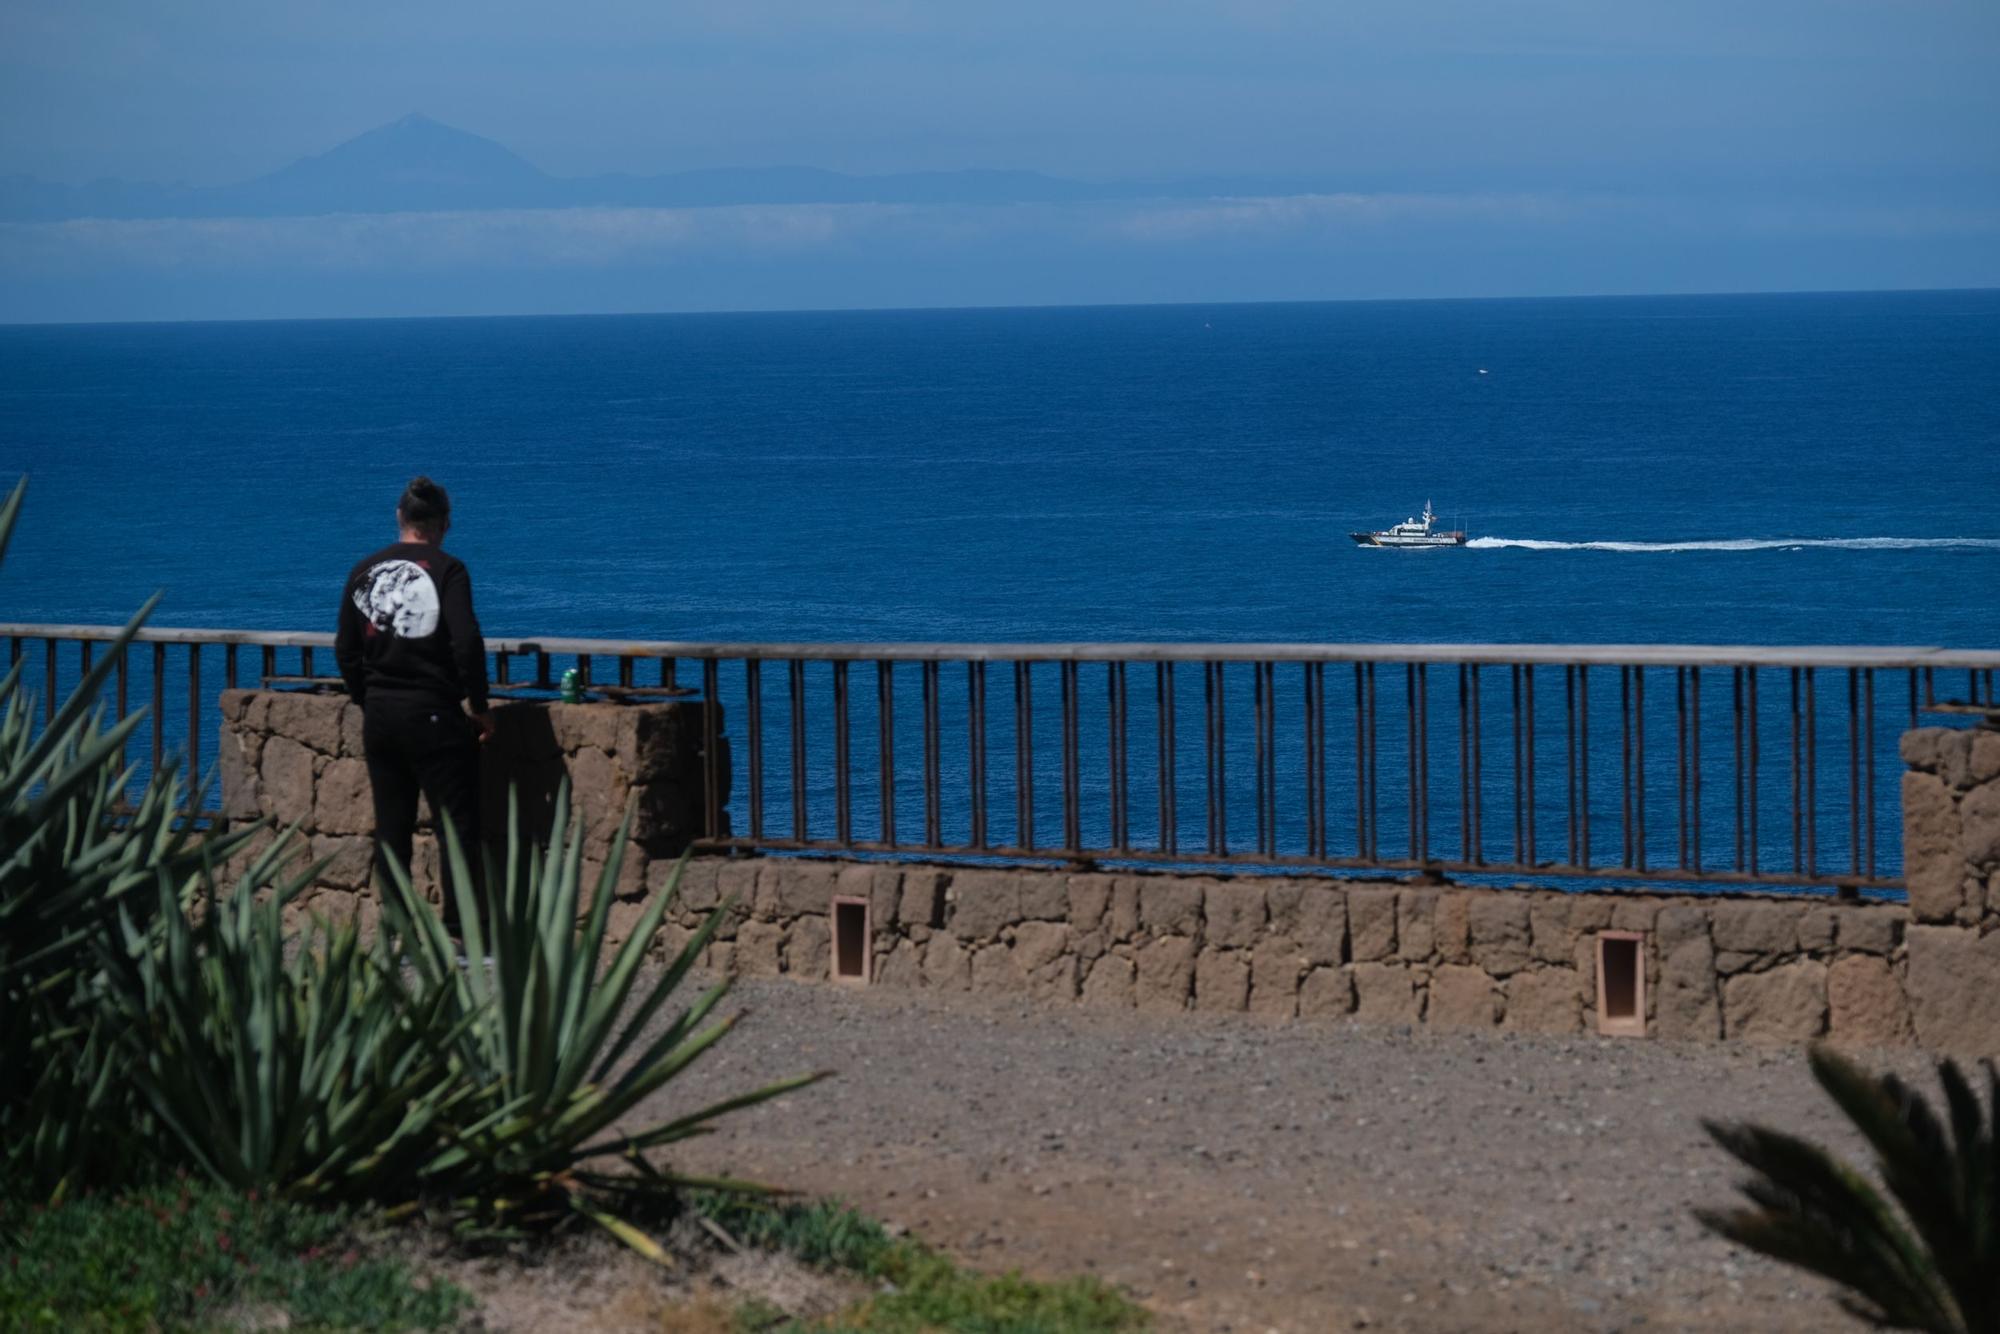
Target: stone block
(1222, 980)
(795, 887)
(1737, 961)
(236, 768)
(1275, 968)
(1039, 944)
(1089, 900)
(1462, 996)
(585, 726)
(921, 902)
(1166, 973)
(1817, 928)
(1678, 923)
(809, 949)
(1869, 930)
(1768, 929)
(351, 743)
(1326, 993)
(1122, 921)
(880, 887)
(1687, 1005)
(1979, 825)
(1044, 896)
(1933, 865)
(286, 781)
(1371, 924)
(1110, 983)
(760, 949)
(1501, 932)
(1454, 928)
(1319, 924)
(1953, 983)
(1982, 757)
(1782, 1004)
(350, 859)
(1919, 747)
(1384, 993)
(697, 888)
(1548, 928)
(344, 803)
(1865, 1003)
(1416, 924)
(900, 966)
(311, 720)
(736, 884)
(994, 970)
(1170, 906)
(1634, 914)
(947, 964)
(1590, 913)
(1543, 1000)
(984, 903)
(1233, 913)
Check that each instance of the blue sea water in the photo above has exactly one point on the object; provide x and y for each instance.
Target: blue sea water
(1749, 469)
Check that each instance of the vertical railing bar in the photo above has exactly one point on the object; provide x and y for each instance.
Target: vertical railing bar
(885, 734)
(124, 696)
(1117, 719)
(583, 670)
(1360, 772)
(229, 667)
(1374, 773)
(1569, 754)
(270, 664)
(711, 746)
(1410, 745)
(1465, 769)
(1478, 770)
(1072, 798)
(1424, 762)
(796, 685)
(1514, 679)
(753, 723)
(1854, 771)
(668, 669)
(625, 670)
(1625, 742)
(1694, 759)
(1812, 772)
(49, 680)
(159, 705)
(1869, 719)
(1024, 754)
(502, 666)
(194, 725)
(1756, 751)
(1639, 766)
(542, 671)
(975, 744)
(843, 808)
(1528, 763)
(1680, 767)
(1583, 764)
(1799, 755)
(1257, 745)
(933, 832)
(1315, 674)
(1163, 684)
(1736, 699)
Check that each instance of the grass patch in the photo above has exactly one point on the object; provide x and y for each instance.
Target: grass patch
(921, 1291)
(181, 1255)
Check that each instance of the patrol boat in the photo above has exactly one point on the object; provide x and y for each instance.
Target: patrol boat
(1419, 532)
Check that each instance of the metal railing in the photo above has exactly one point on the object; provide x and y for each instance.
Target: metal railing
(1610, 763)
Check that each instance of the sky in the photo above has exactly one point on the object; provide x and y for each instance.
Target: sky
(1455, 147)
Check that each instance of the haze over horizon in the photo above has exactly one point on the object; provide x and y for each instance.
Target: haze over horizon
(868, 153)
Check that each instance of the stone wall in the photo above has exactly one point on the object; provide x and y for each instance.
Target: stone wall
(1951, 863)
(1756, 967)
(295, 757)
(1764, 968)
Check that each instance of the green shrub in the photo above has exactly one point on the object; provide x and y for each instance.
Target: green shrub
(1931, 1260)
(181, 1255)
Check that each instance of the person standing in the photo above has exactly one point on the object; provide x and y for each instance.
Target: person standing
(410, 651)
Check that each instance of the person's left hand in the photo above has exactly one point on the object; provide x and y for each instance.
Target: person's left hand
(483, 724)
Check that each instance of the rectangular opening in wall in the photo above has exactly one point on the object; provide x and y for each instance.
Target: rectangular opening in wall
(1621, 984)
(850, 940)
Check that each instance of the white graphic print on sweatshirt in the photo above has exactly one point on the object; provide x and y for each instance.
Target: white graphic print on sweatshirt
(398, 595)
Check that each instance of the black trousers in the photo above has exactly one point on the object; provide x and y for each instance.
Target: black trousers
(420, 745)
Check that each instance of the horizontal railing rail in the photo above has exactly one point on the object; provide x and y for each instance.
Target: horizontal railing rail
(1610, 763)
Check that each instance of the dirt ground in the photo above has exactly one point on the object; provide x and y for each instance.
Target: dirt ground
(1234, 1175)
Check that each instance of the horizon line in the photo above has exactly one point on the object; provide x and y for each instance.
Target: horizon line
(1024, 306)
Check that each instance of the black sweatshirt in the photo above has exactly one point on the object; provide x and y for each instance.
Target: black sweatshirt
(407, 628)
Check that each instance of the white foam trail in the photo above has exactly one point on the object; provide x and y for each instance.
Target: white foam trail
(1748, 544)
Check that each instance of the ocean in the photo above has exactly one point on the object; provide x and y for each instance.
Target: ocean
(1787, 469)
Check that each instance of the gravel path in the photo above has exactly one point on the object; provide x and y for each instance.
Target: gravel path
(1234, 1175)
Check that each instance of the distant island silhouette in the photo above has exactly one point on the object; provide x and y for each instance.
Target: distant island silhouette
(417, 164)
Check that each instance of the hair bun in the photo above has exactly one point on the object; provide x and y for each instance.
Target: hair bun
(424, 504)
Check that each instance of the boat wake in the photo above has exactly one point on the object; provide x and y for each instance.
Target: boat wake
(1747, 544)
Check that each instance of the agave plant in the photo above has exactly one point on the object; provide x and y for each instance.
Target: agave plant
(560, 1048)
(75, 863)
(1931, 1260)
